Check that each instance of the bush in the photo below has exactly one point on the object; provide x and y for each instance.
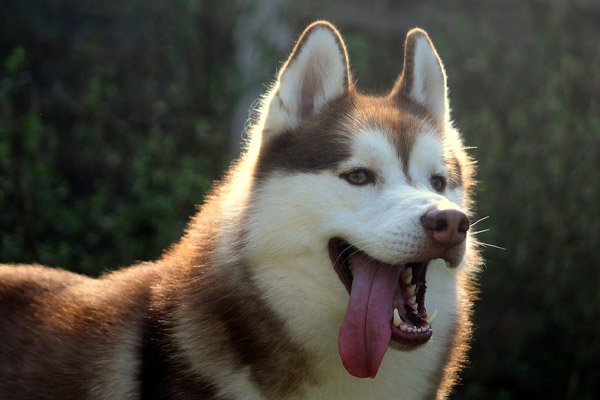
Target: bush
(113, 123)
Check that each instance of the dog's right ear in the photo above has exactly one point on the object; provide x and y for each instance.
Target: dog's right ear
(423, 78)
(315, 73)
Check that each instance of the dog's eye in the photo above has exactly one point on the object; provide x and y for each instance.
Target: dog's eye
(359, 177)
(438, 183)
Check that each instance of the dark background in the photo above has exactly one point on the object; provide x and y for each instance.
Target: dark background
(116, 116)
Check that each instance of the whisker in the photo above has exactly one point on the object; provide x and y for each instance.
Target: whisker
(362, 246)
(479, 220)
(347, 255)
(481, 231)
(482, 244)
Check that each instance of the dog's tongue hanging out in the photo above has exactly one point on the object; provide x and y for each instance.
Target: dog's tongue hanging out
(366, 330)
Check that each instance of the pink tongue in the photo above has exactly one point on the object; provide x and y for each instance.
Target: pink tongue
(366, 330)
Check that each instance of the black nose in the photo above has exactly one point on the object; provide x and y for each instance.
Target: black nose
(446, 227)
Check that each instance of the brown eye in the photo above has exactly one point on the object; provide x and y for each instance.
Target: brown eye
(359, 177)
(438, 183)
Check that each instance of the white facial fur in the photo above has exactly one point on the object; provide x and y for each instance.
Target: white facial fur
(426, 159)
(291, 220)
(383, 217)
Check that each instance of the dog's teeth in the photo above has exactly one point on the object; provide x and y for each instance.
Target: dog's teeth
(448, 264)
(409, 329)
(403, 327)
(412, 289)
(413, 300)
(397, 319)
(432, 317)
(407, 275)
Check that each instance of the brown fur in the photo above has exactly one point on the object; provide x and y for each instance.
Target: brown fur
(314, 147)
(57, 326)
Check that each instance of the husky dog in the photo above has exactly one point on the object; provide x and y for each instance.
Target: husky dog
(322, 259)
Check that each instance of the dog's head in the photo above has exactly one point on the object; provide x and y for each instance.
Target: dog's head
(357, 195)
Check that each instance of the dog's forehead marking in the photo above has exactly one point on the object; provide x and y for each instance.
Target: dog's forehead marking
(380, 149)
(397, 126)
(373, 129)
(427, 154)
(372, 147)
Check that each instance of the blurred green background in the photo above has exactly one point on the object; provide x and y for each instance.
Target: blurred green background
(116, 116)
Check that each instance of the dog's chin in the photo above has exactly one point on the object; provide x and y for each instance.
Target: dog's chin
(411, 326)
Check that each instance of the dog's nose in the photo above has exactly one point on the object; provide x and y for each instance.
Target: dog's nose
(446, 227)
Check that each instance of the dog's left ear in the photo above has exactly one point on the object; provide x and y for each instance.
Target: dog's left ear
(423, 78)
(315, 73)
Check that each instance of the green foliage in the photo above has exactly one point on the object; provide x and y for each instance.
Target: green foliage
(111, 127)
(530, 117)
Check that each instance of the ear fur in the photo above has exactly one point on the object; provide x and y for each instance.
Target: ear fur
(423, 78)
(315, 73)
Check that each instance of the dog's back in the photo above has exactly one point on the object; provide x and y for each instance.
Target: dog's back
(65, 335)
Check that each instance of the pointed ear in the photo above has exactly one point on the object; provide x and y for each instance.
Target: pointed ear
(316, 72)
(423, 78)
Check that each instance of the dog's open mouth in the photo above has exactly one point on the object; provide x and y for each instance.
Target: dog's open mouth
(387, 303)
